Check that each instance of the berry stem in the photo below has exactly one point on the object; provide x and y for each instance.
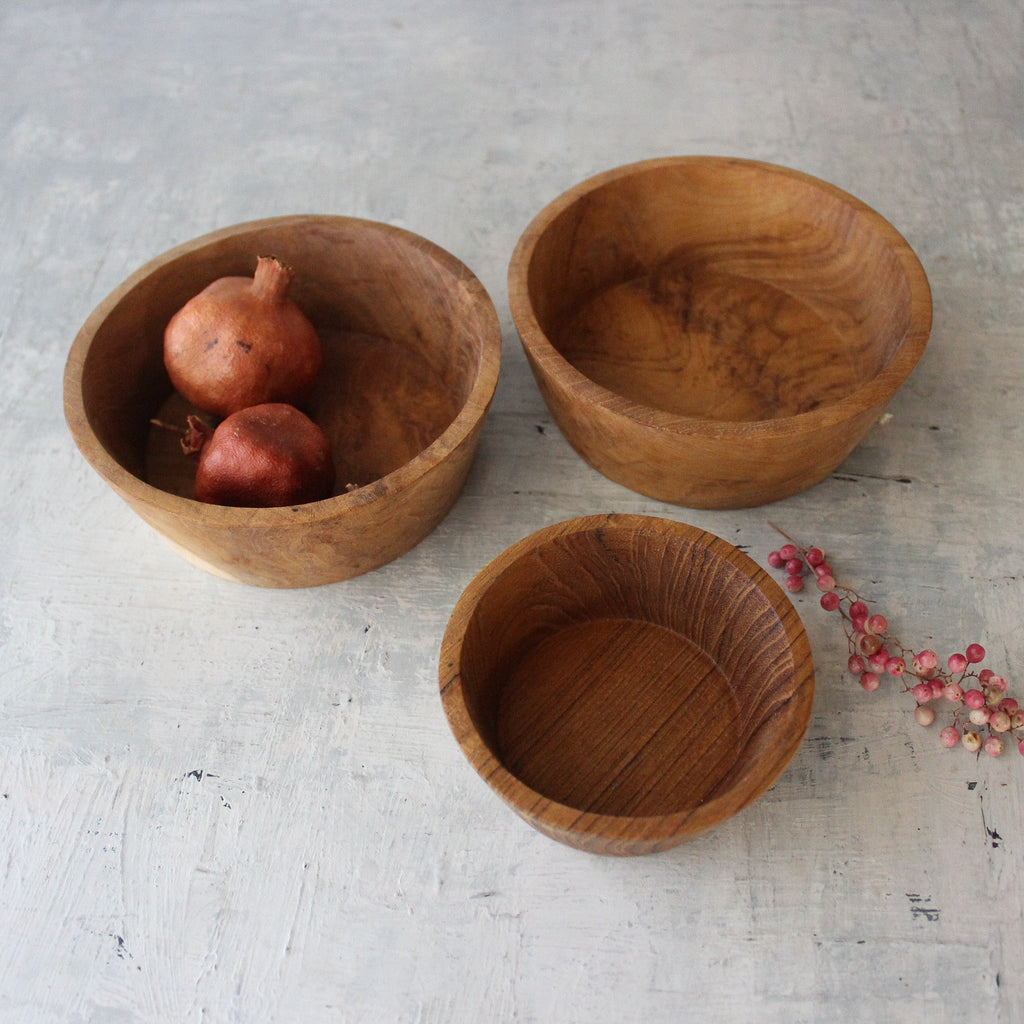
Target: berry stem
(982, 713)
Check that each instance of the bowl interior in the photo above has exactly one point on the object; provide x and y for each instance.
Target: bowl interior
(719, 289)
(634, 671)
(401, 336)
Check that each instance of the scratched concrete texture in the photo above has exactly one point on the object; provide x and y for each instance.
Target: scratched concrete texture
(224, 804)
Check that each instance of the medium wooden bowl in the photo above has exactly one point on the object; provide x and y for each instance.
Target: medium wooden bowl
(712, 332)
(626, 682)
(411, 355)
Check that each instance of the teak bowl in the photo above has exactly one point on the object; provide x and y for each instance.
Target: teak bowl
(411, 356)
(626, 682)
(715, 332)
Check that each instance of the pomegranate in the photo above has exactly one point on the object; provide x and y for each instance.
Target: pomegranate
(241, 341)
(262, 456)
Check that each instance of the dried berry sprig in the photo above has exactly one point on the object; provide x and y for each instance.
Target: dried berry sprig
(982, 713)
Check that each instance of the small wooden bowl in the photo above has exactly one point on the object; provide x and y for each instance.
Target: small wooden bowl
(712, 332)
(411, 355)
(626, 682)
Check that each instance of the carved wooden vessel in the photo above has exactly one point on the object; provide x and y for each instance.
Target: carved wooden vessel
(411, 356)
(713, 332)
(626, 682)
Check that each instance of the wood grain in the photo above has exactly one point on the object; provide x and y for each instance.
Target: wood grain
(625, 682)
(596, 716)
(411, 355)
(712, 332)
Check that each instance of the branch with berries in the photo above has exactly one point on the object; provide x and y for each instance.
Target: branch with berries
(983, 716)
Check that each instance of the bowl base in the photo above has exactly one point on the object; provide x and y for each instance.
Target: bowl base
(619, 716)
(710, 343)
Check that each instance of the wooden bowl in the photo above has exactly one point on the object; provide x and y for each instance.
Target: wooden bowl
(626, 682)
(411, 356)
(712, 332)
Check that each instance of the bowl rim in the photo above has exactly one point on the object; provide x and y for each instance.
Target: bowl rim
(457, 433)
(557, 817)
(876, 392)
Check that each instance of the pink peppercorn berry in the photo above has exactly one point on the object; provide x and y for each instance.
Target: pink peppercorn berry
(993, 746)
(971, 740)
(775, 560)
(949, 737)
(974, 699)
(829, 600)
(957, 663)
(868, 642)
(975, 653)
(879, 659)
(924, 715)
(1000, 721)
(815, 556)
(794, 584)
(787, 551)
(878, 624)
(870, 681)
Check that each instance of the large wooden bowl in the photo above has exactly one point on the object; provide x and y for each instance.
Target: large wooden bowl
(411, 356)
(712, 332)
(626, 682)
